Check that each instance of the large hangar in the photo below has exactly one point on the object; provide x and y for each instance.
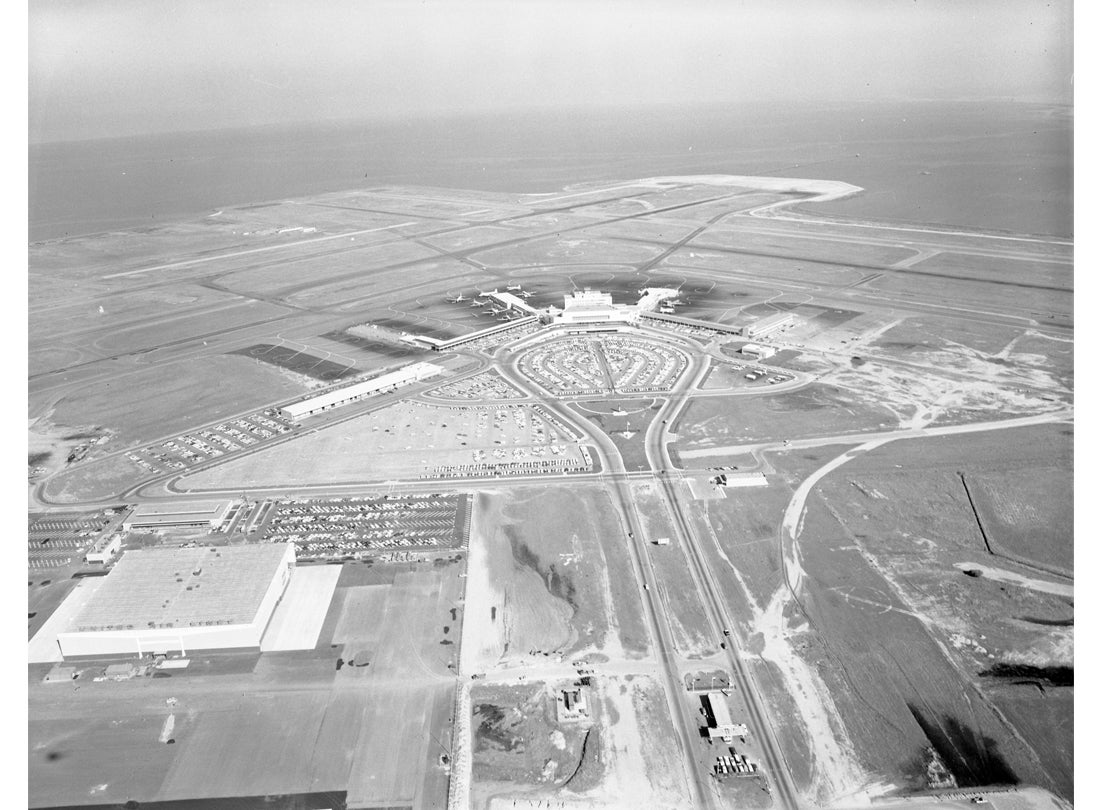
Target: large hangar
(182, 599)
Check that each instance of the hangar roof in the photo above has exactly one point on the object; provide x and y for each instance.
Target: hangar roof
(183, 587)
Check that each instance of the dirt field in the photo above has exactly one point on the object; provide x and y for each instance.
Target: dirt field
(549, 588)
(616, 757)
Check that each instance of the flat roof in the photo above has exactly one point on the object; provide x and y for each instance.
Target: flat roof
(177, 512)
(409, 373)
(156, 588)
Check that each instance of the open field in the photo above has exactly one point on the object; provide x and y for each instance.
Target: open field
(892, 629)
(549, 588)
(816, 410)
(167, 399)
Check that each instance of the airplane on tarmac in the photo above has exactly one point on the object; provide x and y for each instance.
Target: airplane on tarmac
(487, 293)
(479, 303)
(514, 287)
(460, 297)
(524, 294)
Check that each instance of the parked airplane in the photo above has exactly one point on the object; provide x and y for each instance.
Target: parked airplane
(487, 293)
(524, 294)
(460, 297)
(479, 303)
(514, 287)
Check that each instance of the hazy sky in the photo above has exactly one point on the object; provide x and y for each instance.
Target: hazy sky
(114, 67)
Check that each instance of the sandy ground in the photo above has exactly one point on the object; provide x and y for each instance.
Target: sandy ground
(43, 647)
(825, 190)
(482, 640)
(640, 769)
(298, 617)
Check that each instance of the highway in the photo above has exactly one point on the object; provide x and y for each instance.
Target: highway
(684, 717)
(784, 790)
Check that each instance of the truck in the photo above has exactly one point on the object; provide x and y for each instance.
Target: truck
(661, 541)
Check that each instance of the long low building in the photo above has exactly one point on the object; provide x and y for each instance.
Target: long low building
(352, 393)
(693, 322)
(443, 345)
(181, 515)
(165, 600)
(772, 323)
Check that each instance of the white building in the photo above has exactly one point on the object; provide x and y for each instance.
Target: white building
(182, 599)
(757, 351)
(178, 515)
(352, 393)
(772, 323)
(590, 306)
(104, 550)
(722, 724)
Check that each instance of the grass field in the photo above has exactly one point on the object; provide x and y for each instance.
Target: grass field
(900, 635)
(816, 410)
(625, 422)
(169, 399)
(1027, 514)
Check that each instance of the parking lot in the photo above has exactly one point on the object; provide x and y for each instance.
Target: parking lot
(592, 366)
(350, 527)
(54, 541)
(480, 387)
(185, 451)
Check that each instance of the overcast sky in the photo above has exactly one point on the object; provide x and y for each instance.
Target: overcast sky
(101, 68)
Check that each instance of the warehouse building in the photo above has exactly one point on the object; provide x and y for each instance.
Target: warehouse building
(181, 515)
(182, 599)
(770, 324)
(353, 393)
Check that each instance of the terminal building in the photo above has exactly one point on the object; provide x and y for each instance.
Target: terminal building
(353, 393)
(182, 599)
(588, 306)
(178, 515)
